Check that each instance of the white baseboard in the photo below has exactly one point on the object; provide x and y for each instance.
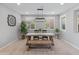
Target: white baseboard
(71, 44)
(9, 44)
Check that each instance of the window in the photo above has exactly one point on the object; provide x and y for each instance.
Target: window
(30, 24)
(46, 24)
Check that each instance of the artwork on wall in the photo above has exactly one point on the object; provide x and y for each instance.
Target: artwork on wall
(63, 22)
(11, 20)
(50, 23)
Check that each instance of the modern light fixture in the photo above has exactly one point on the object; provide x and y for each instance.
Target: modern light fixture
(40, 13)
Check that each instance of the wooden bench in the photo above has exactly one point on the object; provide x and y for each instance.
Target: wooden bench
(39, 42)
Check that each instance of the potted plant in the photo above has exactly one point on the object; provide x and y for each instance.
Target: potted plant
(57, 32)
(32, 26)
(23, 29)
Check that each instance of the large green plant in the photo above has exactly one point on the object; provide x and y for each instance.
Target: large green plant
(23, 27)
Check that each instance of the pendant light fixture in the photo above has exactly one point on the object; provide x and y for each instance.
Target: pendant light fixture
(40, 14)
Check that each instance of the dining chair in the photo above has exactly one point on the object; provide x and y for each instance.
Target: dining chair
(36, 31)
(45, 37)
(44, 31)
(36, 38)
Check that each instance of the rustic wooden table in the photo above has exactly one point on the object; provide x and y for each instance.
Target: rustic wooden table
(31, 41)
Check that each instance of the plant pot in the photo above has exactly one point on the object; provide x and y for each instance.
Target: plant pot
(23, 37)
(57, 35)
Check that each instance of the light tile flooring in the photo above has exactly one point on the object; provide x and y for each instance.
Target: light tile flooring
(19, 48)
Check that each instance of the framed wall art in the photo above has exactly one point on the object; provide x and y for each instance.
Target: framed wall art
(11, 20)
(76, 20)
(63, 22)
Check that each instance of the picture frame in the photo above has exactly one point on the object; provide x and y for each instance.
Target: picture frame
(77, 23)
(63, 22)
(11, 20)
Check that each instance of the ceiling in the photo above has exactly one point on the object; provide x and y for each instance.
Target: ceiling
(31, 8)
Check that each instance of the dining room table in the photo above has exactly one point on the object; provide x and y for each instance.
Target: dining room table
(31, 41)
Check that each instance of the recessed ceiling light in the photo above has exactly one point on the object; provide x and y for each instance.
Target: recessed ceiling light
(18, 3)
(61, 3)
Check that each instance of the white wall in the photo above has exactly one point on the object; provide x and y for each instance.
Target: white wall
(7, 33)
(70, 34)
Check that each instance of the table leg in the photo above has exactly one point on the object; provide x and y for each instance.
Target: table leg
(48, 38)
(31, 37)
(28, 48)
(27, 40)
(51, 38)
(52, 41)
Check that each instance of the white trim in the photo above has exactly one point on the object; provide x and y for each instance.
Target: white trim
(9, 44)
(71, 44)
